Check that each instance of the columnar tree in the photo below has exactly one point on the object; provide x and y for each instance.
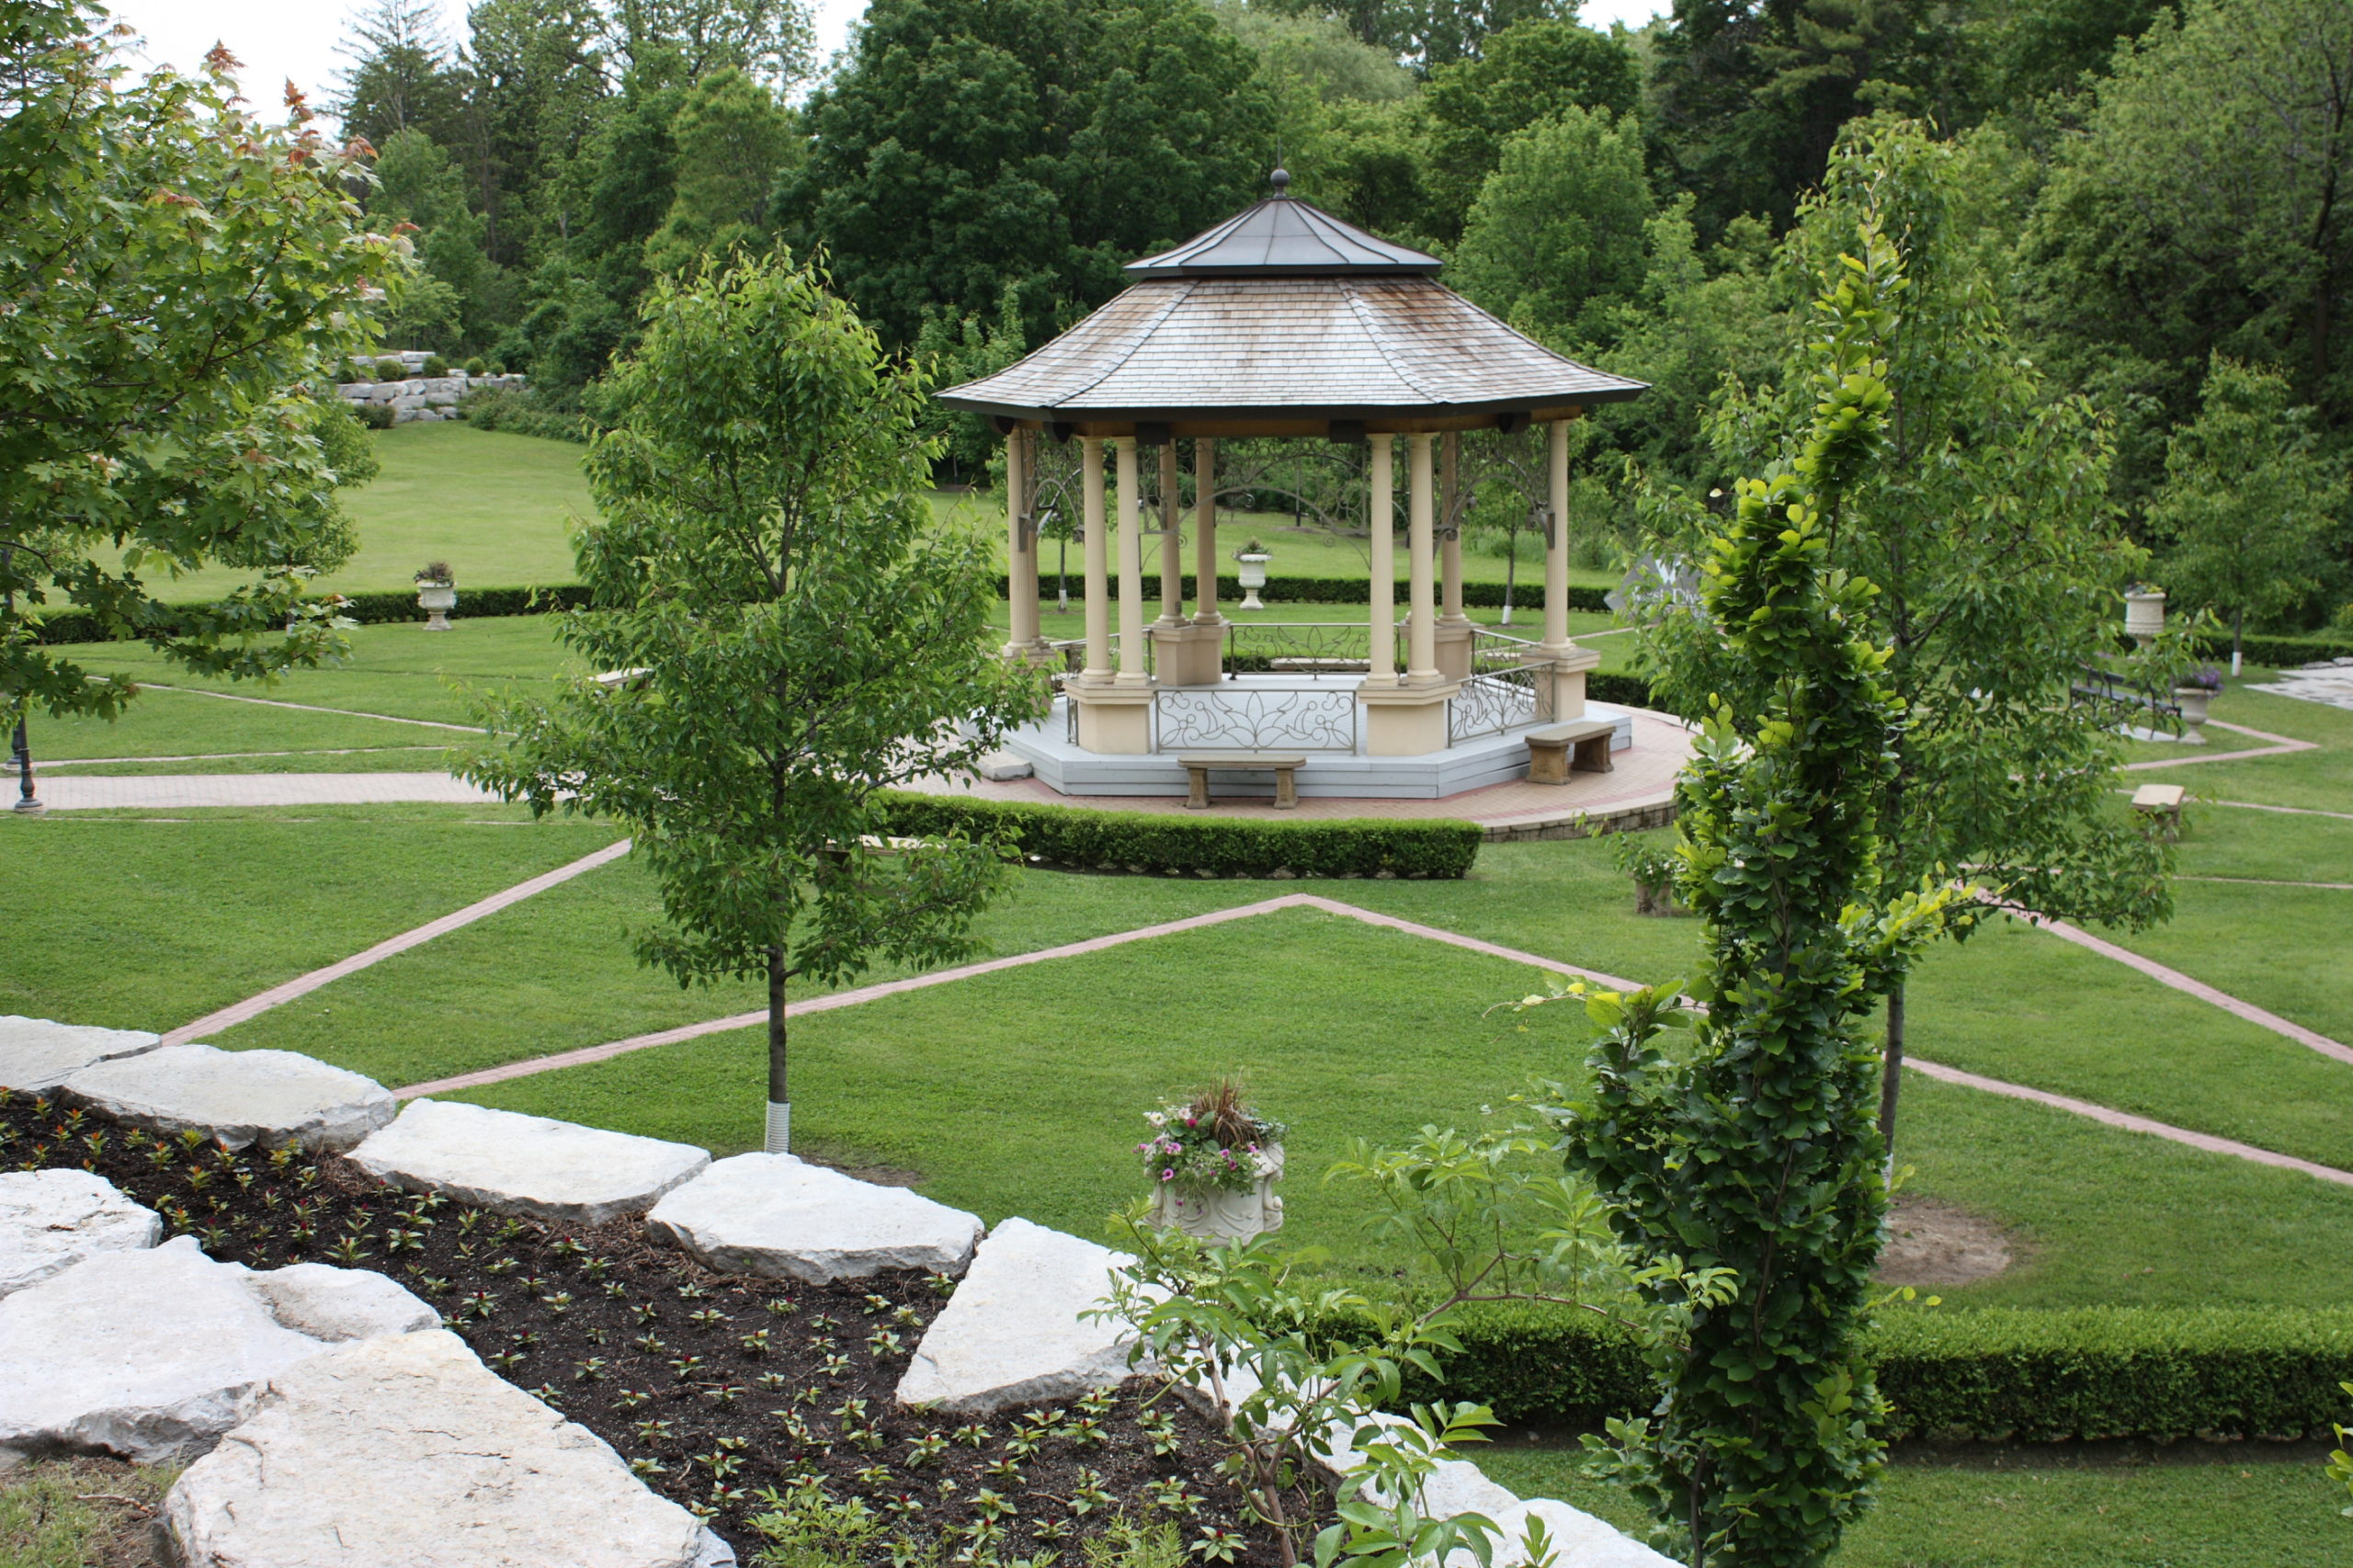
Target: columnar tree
(1755, 1149)
(789, 635)
(180, 280)
(1986, 530)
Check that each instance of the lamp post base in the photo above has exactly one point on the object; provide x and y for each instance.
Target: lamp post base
(779, 1130)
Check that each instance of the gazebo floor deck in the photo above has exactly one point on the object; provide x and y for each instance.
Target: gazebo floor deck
(1638, 792)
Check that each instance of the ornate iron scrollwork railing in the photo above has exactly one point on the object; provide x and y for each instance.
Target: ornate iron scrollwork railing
(1247, 719)
(1312, 649)
(1504, 691)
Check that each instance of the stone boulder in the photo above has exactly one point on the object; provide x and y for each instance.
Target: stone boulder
(410, 1452)
(152, 1354)
(1012, 1333)
(50, 1221)
(337, 1304)
(1578, 1540)
(37, 1055)
(272, 1097)
(526, 1165)
(774, 1215)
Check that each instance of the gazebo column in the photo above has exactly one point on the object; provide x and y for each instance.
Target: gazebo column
(1410, 719)
(1024, 641)
(1454, 628)
(1568, 661)
(1187, 651)
(1380, 621)
(1112, 718)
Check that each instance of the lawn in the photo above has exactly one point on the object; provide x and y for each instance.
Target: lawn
(2196, 1508)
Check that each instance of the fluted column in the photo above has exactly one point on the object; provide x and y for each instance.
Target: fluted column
(1421, 657)
(1099, 577)
(1382, 618)
(1131, 671)
(1450, 529)
(1021, 552)
(1556, 545)
(1205, 562)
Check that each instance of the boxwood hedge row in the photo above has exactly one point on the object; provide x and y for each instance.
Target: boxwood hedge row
(1162, 844)
(1996, 1374)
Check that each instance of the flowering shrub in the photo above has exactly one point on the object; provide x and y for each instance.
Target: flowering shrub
(1214, 1141)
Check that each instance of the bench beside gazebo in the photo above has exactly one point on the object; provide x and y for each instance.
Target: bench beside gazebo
(1283, 321)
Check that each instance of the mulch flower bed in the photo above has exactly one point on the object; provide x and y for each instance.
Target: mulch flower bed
(735, 1396)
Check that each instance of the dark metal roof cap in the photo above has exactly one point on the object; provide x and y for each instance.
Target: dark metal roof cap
(1284, 237)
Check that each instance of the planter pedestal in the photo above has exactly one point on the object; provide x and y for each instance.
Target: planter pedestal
(437, 601)
(1221, 1214)
(1252, 570)
(2193, 701)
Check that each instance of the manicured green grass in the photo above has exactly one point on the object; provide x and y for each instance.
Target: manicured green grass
(2314, 780)
(145, 921)
(2028, 1508)
(379, 759)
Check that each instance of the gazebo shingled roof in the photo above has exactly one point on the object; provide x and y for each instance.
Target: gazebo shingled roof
(1284, 320)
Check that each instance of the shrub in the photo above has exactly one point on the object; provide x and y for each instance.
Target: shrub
(474, 366)
(1157, 844)
(2088, 1374)
(2281, 653)
(375, 416)
(518, 409)
(436, 365)
(392, 367)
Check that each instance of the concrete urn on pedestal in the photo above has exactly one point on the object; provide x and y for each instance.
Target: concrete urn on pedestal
(2144, 615)
(1252, 564)
(2193, 701)
(437, 595)
(1225, 1214)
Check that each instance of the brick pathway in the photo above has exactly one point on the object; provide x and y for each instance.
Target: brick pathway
(2278, 745)
(175, 792)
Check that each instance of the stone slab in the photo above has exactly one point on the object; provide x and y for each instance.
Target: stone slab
(410, 1452)
(1003, 767)
(271, 1097)
(150, 1354)
(37, 1054)
(526, 1165)
(1012, 1333)
(774, 1215)
(337, 1304)
(50, 1221)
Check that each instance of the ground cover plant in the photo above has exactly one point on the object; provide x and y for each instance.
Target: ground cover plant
(764, 1406)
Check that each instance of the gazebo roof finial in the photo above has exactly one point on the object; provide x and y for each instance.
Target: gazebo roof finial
(1280, 180)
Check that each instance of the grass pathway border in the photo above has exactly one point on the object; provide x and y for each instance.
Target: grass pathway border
(302, 986)
(2125, 1120)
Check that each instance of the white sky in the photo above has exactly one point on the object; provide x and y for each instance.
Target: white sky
(279, 40)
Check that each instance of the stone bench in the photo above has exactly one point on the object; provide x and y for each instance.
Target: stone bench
(1285, 769)
(2161, 803)
(1581, 745)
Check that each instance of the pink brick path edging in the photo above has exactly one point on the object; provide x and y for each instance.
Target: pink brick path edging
(2188, 987)
(277, 995)
(311, 708)
(185, 791)
(2102, 1114)
(941, 977)
(2281, 746)
(2130, 1122)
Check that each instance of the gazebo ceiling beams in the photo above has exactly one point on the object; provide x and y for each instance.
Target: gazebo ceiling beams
(1345, 429)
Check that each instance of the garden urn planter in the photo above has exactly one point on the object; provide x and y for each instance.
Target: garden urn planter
(2144, 615)
(2193, 701)
(1225, 1214)
(437, 600)
(1253, 564)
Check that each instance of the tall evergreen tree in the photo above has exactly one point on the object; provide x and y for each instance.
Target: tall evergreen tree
(400, 76)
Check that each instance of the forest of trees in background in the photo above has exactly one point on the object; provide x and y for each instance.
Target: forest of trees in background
(2158, 193)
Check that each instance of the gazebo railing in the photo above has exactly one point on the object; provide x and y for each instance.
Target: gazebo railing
(1504, 691)
(1306, 648)
(1255, 719)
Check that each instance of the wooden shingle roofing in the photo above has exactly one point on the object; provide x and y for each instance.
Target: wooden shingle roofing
(1396, 351)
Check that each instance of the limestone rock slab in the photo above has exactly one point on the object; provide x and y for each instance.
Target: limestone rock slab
(1012, 1333)
(37, 1054)
(150, 1354)
(775, 1215)
(50, 1221)
(526, 1165)
(336, 1305)
(270, 1097)
(409, 1450)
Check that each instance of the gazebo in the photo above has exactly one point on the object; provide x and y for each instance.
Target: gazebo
(1284, 321)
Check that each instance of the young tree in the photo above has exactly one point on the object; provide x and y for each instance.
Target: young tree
(796, 637)
(1986, 530)
(181, 281)
(1754, 1149)
(2246, 498)
(1556, 241)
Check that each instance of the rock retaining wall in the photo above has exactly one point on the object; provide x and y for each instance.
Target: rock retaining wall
(421, 397)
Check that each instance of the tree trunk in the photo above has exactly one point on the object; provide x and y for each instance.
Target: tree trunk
(779, 1124)
(1892, 1079)
(2238, 622)
(1511, 570)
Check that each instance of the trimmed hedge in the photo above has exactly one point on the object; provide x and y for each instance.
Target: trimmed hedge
(1159, 844)
(1995, 1375)
(371, 610)
(2280, 652)
(1329, 591)
(1627, 691)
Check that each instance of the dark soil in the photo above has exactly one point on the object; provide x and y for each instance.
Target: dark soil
(732, 1395)
(1931, 1243)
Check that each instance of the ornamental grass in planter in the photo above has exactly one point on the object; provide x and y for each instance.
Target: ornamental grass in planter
(1213, 1162)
